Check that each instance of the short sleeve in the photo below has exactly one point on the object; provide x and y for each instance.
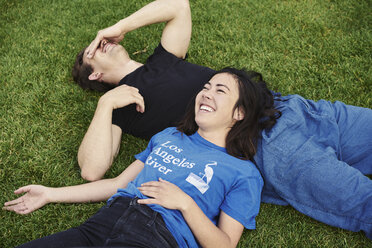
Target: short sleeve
(120, 117)
(162, 57)
(242, 202)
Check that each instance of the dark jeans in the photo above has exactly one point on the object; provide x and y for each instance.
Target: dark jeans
(122, 223)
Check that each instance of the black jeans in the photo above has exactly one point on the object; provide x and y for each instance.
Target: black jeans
(122, 223)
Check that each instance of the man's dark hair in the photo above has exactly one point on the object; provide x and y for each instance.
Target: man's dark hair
(257, 103)
(81, 72)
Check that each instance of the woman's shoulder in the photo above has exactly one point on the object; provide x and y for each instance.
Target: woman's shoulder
(242, 167)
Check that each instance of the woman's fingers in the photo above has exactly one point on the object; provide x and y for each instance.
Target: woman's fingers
(15, 206)
(148, 201)
(14, 202)
(23, 189)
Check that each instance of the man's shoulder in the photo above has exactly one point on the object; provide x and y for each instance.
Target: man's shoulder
(170, 131)
(161, 55)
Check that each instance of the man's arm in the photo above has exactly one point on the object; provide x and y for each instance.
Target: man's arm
(102, 140)
(176, 34)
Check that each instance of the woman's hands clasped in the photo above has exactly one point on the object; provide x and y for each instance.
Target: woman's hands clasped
(34, 198)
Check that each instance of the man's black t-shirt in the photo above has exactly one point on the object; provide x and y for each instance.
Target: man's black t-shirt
(167, 83)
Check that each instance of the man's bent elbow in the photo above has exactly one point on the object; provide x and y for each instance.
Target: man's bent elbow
(90, 175)
(91, 170)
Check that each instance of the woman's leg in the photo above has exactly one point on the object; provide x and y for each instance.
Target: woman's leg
(69, 238)
(122, 223)
(93, 232)
(141, 227)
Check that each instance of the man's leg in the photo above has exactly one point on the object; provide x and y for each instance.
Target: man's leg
(333, 192)
(355, 125)
(304, 170)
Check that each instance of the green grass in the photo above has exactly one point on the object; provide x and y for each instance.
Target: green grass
(321, 49)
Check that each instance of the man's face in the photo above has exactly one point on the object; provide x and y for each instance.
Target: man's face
(106, 58)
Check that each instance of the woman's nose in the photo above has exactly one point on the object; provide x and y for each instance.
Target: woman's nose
(207, 94)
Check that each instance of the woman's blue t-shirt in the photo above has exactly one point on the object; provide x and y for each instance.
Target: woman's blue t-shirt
(215, 180)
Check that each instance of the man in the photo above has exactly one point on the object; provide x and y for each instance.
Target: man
(155, 95)
(314, 158)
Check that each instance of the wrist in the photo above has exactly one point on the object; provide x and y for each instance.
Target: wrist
(105, 103)
(122, 26)
(187, 204)
(49, 195)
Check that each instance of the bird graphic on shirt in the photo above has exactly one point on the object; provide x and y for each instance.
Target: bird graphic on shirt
(208, 171)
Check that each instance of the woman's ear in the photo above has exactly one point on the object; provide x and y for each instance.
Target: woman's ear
(95, 76)
(238, 114)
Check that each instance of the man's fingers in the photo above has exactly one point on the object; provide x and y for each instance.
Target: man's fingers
(140, 105)
(91, 50)
(138, 100)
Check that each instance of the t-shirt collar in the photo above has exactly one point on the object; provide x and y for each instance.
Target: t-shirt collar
(199, 139)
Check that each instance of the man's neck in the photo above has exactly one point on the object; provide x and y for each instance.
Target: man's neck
(129, 67)
(123, 70)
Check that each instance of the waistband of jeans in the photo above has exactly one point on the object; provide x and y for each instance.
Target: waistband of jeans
(143, 208)
(153, 215)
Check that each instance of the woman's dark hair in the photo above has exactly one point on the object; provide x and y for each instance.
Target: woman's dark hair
(257, 103)
(81, 72)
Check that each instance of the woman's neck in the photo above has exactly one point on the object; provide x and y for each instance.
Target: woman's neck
(217, 137)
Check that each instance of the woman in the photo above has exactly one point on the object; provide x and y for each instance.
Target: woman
(192, 186)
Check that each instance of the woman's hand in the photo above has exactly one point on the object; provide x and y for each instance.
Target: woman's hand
(36, 196)
(113, 34)
(165, 194)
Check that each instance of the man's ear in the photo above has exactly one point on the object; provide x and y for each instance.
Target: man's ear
(238, 114)
(95, 76)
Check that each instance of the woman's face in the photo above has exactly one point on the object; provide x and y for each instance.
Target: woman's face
(214, 104)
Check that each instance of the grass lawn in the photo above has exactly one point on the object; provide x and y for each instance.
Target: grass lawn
(320, 49)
